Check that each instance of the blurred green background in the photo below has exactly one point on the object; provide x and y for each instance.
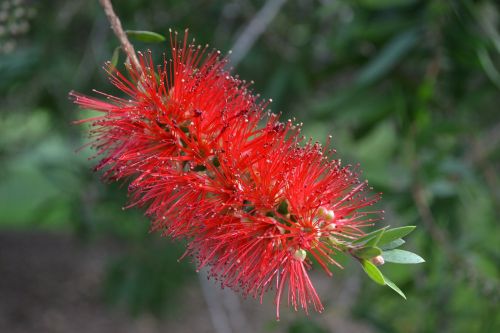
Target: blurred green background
(409, 89)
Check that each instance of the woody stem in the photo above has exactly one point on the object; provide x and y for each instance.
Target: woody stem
(116, 25)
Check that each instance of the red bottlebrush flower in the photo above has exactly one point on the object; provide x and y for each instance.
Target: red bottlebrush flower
(209, 164)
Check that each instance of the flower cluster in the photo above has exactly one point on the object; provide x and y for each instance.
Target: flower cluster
(255, 200)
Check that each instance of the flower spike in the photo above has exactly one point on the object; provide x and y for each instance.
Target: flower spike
(209, 164)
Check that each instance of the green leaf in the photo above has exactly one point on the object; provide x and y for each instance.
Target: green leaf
(391, 54)
(394, 244)
(488, 66)
(145, 36)
(393, 234)
(373, 272)
(375, 240)
(376, 275)
(367, 252)
(115, 57)
(393, 286)
(369, 236)
(402, 257)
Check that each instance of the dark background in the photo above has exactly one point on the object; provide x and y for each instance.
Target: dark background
(409, 89)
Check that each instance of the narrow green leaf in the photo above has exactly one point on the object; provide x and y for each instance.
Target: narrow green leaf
(394, 244)
(402, 257)
(393, 234)
(115, 57)
(368, 252)
(373, 272)
(369, 236)
(375, 240)
(145, 36)
(488, 66)
(390, 55)
(393, 286)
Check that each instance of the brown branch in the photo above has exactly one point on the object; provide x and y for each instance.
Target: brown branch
(116, 25)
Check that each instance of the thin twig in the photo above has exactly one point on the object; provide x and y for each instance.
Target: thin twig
(116, 25)
(254, 29)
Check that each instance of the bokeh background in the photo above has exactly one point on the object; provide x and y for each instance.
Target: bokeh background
(408, 88)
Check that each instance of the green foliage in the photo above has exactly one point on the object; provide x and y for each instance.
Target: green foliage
(391, 235)
(145, 36)
(367, 252)
(393, 286)
(402, 257)
(388, 57)
(373, 272)
(371, 237)
(393, 244)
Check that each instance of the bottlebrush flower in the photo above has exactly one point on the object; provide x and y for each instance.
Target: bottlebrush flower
(256, 201)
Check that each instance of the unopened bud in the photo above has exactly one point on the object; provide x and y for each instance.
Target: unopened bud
(330, 215)
(331, 226)
(300, 254)
(325, 213)
(378, 260)
(321, 211)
